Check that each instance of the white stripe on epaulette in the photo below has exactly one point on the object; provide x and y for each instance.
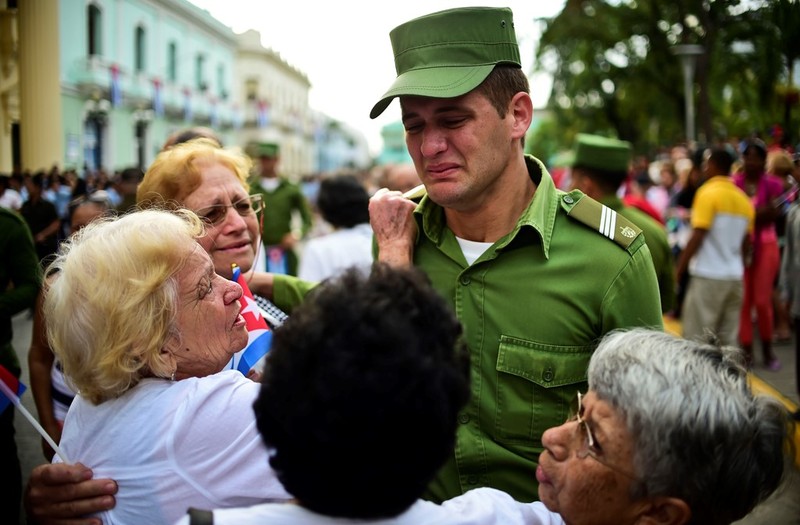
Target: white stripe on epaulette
(608, 222)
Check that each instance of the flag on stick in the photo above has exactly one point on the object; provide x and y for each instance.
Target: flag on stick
(259, 337)
(14, 385)
(10, 389)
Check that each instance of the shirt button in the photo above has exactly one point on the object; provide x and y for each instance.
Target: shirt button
(472, 480)
(463, 419)
(568, 199)
(548, 375)
(465, 280)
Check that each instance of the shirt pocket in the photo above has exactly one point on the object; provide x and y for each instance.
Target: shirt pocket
(536, 385)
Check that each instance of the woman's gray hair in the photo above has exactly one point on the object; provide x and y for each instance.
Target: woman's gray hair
(699, 432)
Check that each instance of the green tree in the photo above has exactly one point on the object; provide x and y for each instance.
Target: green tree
(615, 71)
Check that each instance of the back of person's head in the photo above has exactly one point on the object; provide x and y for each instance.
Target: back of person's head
(361, 392)
(780, 163)
(37, 180)
(177, 171)
(131, 175)
(343, 201)
(721, 159)
(185, 135)
(112, 278)
(699, 432)
(86, 208)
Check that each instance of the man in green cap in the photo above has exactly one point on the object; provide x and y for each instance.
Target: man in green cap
(535, 275)
(282, 199)
(599, 168)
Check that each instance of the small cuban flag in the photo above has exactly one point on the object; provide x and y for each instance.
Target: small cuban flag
(14, 386)
(10, 390)
(259, 338)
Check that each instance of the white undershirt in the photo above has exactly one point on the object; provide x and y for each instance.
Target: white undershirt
(472, 249)
(270, 185)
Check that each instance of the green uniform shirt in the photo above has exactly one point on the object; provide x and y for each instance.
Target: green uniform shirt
(279, 206)
(19, 267)
(533, 307)
(656, 238)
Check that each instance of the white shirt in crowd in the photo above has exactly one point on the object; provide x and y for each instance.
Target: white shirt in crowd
(331, 254)
(482, 506)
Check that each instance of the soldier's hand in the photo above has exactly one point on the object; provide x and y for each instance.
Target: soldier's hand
(392, 219)
(62, 494)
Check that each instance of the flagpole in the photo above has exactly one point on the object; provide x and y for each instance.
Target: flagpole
(14, 398)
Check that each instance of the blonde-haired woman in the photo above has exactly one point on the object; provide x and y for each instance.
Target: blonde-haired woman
(142, 324)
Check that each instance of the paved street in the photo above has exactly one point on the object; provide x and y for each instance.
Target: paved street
(782, 509)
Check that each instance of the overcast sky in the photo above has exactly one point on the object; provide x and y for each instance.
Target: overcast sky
(344, 49)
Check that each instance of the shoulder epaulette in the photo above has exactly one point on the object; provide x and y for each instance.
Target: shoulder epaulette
(601, 218)
(415, 194)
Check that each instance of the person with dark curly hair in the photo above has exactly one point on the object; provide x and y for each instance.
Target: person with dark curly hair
(368, 365)
(344, 204)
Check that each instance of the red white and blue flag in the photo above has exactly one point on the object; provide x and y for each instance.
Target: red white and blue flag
(116, 89)
(259, 337)
(158, 98)
(14, 385)
(262, 116)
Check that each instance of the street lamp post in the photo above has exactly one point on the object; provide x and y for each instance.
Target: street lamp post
(688, 54)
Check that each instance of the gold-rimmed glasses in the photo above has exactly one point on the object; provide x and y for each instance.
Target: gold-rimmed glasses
(588, 444)
(214, 215)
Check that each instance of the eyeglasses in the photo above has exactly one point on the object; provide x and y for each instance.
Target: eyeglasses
(588, 443)
(214, 215)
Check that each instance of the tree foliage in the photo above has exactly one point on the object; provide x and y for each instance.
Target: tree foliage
(615, 72)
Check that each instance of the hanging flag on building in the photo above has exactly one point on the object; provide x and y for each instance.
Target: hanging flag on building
(158, 98)
(262, 116)
(187, 105)
(259, 337)
(116, 89)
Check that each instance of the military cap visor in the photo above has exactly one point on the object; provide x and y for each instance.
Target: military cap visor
(449, 53)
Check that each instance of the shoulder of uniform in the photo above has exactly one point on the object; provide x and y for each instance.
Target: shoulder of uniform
(11, 215)
(416, 194)
(600, 218)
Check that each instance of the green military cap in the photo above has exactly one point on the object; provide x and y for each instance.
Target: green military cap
(449, 53)
(263, 149)
(601, 153)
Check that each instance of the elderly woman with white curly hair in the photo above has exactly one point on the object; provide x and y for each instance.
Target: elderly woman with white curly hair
(142, 325)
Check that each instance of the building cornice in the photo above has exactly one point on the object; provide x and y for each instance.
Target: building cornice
(186, 10)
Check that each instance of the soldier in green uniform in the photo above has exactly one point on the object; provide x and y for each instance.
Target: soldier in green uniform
(19, 284)
(282, 199)
(536, 275)
(599, 168)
